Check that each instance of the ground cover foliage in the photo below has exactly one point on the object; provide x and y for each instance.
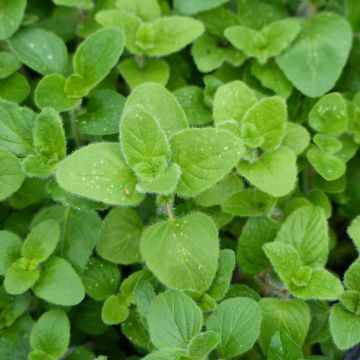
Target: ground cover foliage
(179, 180)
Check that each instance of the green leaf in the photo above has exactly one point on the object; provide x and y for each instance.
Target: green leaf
(189, 7)
(144, 295)
(269, 117)
(40, 355)
(101, 117)
(15, 88)
(329, 114)
(203, 344)
(273, 173)
(99, 172)
(306, 230)
(223, 275)
(94, 59)
(9, 64)
(205, 157)
(283, 347)
(329, 166)
(321, 35)
(354, 232)
(174, 320)
(270, 41)
(40, 50)
(50, 92)
(10, 250)
(11, 174)
(287, 316)
(12, 14)
(192, 248)
(100, 278)
(41, 241)
(114, 311)
(296, 138)
(232, 101)
(237, 321)
(16, 125)
(352, 276)
(147, 11)
(166, 354)
(249, 254)
(21, 276)
(81, 4)
(191, 99)
(249, 202)
(344, 327)
(161, 104)
(143, 143)
(210, 53)
(271, 77)
(51, 333)
(153, 70)
(120, 237)
(59, 283)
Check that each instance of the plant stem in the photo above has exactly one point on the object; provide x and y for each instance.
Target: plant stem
(74, 130)
(169, 210)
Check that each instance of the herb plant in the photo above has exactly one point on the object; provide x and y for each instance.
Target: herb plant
(179, 179)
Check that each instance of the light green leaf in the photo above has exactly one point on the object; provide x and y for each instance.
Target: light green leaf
(95, 57)
(270, 41)
(256, 232)
(10, 250)
(273, 173)
(143, 143)
(100, 278)
(344, 327)
(161, 104)
(11, 174)
(153, 70)
(114, 311)
(329, 114)
(249, 202)
(40, 50)
(41, 241)
(223, 275)
(51, 333)
(59, 283)
(120, 236)
(237, 321)
(174, 320)
(15, 88)
(192, 248)
(354, 232)
(329, 166)
(205, 157)
(12, 13)
(101, 117)
(283, 347)
(191, 99)
(189, 7)
(80, 4)
(20, 276)
(50, 92)
(269, 117)
(171, 34)
(232, 100)
(306, 230)
(288, 316)
(16, 125)
(296, 138)
(352, 276)
(147, 11)
(166, 354)
(99, 172)
(203, 344)
(144, 295)
(307, 64)
(210, 53)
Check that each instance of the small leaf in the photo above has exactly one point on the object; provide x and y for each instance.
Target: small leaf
(15, 88)
(114, 311)
(237, 321)
(40, 50)
(147, 11)
(174, 320)
(321, 35)
(203, 344)
(352, 276)
(120, 237)
(205, 157)
(10, 250)
(189, 7)
(273, 173)
(99, 172)
(192, 248)
(59, 283)
(11, 174)
(9, 64)
(12, 14)
(296, 138)
(51, 333)
(283, 347)
(50, 92)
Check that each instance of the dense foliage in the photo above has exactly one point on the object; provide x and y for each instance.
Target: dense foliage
(179, 180)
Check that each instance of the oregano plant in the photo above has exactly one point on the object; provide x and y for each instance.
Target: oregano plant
(179, 179)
